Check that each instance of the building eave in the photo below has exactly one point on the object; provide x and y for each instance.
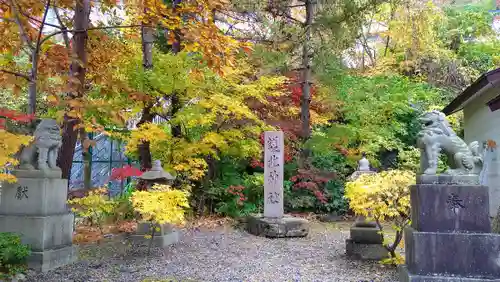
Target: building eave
(484, 82)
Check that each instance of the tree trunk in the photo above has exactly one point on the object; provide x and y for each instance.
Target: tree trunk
(32, 95)
(147, 37)
(306, 74)
(144, 148)
(176, 106)
(176, 103)
(388, 38)
(305, 115)
(77, 70)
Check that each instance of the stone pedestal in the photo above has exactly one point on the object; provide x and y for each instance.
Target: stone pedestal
(35, 207)
(286, 226)
(274, 223)
(165, 235)
(450, 238)
(365, 243)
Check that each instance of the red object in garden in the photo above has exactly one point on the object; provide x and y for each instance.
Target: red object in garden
(15, 116)
(237, 191)
(295, 87)
(124, 172)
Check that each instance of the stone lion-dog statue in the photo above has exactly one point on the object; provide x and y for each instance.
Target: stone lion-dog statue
(42, 153)
(437, 136)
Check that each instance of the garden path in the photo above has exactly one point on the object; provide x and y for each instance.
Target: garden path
(226, 254)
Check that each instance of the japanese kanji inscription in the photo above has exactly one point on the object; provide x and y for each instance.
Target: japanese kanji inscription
(273, 173)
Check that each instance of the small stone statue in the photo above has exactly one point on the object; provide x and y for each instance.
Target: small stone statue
(437, 136)
(363, 164)
(363, 168)
(42, 153)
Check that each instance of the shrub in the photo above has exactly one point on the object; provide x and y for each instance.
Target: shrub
(244, 199)
(238, 204)
(380, 197)
(319, 188)
(409, 159)
(306, 191)
(123, 209)
(160, 205)
(94, 207)
(13, 255)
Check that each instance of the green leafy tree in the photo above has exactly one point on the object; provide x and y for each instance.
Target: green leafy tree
(375, 114)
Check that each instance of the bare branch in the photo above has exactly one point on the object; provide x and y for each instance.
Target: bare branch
(18, 74)
(88, 29)
(39, 21)
(38, 39)
(24, 36)
(64, 29)
(298, 5)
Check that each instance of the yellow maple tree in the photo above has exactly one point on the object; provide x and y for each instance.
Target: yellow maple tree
(162, 204)
(383, 197)
(10, 144)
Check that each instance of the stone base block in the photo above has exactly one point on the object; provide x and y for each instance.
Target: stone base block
(34, 196)
(144, 228)
(474, 255)
(361, 251)
(448, 179)
(39, 174)
(51, 259)
(450, 208)
(159, 241)
(40, 232)
(366, 235)
(405, 276)
(287, 226)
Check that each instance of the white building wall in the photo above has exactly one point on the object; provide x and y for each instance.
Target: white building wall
(481, 124)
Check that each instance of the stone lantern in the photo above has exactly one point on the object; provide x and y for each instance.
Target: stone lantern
(156, 175)
(365, 242)
(167, 234)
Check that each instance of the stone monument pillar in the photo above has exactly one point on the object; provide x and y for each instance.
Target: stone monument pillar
(35, 206)
(450, 235)
(165, 234)
(274, 223)
(365, 243)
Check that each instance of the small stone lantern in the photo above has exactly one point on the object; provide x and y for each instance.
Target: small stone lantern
(156, 175)
(167, 234)
(365, 242)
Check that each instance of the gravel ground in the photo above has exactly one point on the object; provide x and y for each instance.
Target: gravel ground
(225, 254)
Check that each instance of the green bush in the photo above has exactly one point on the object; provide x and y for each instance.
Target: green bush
(242, 199)
(237, 192)
(123, 209)
(13, 255)
(320, 188)
(481, 56)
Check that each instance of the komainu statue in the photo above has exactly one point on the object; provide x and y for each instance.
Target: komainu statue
(437, 136)
(42, 153)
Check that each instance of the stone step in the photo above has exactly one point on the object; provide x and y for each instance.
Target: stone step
(53, 258)
(159, 241)
(286, 226)
(473, 255)
(40, 232)
(362, 251)
(450, 208)
(366, 235)
(34, 196)
(144, 228)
